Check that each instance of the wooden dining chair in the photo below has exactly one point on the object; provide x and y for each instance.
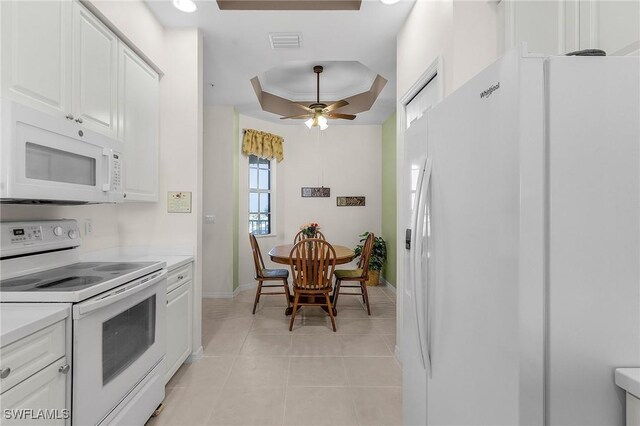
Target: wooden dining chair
(359, 275)
(301, 236)
(313, 262)
(263, 274)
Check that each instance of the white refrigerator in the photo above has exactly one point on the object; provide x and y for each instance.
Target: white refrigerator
(522, 290)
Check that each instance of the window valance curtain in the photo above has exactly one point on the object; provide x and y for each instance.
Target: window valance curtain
(262, 144)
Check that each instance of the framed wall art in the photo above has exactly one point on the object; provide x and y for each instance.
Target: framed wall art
(315, 192)
(350, 201)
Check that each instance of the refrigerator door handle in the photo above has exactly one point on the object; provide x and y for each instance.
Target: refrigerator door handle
(428, 266)
(426, 173)
(414, 260)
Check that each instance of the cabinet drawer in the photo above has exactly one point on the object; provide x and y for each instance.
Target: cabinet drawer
(31, 354)
(179, 276)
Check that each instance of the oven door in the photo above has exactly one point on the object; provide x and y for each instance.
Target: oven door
(46, 158)
(118, 338)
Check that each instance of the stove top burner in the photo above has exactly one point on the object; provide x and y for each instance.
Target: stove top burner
(71, 278)
(70, 283)
(20, 282)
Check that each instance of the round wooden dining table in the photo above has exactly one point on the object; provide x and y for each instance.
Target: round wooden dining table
(280, 254)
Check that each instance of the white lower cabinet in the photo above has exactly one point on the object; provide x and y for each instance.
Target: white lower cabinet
(179, 319)
(35, 378)
(40, 399)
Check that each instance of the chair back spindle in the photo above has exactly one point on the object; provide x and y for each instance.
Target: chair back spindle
(312, 263)
(267, 275)
(258, 262)
(363, 263)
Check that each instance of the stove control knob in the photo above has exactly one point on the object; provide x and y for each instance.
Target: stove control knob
(57, 231)
(73, 234)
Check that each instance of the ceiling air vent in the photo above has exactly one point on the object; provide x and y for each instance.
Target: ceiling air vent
(285, 40)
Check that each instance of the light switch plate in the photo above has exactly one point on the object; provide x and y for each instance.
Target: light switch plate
(210, 218)
(179, 202)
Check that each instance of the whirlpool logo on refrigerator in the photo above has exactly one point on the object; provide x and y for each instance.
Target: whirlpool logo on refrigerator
(489, 91)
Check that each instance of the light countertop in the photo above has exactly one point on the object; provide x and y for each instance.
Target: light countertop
(629, 380)
(18, 320)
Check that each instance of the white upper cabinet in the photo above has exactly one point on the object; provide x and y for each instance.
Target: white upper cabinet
(94, 73)
(35, 54)
(558, 27)
(613, 26)
(59, 58)
(138, 125)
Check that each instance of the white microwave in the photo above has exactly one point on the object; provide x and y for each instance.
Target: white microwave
(49, 160)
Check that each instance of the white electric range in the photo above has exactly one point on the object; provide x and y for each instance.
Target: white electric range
(118, 318)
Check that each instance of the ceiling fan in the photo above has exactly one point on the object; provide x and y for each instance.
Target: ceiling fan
(318, 113)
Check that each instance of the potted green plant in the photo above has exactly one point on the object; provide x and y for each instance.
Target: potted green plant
(377, 259)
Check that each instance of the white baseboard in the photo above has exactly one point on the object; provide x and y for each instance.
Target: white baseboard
(248, 286)
(228, 294)
(195, 356)
(388, 284)
(218, 295)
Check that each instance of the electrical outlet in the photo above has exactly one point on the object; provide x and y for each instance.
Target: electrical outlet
(210, 218)
(88, 227)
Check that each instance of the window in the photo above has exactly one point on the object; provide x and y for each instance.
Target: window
(260, 195)
(422, 101)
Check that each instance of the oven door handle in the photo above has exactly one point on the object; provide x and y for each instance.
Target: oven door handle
(117, 294)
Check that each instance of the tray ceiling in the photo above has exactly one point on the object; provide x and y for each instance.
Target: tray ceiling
(238, 47)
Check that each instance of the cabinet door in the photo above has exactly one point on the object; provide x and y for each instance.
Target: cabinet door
(36, 38)
(94, 73)
(138, 125)
(548, 27)
(179, 314)
(45, 390)
(613, 26)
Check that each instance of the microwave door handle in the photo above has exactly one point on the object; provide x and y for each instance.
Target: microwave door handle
(82, 309)
(106, 152)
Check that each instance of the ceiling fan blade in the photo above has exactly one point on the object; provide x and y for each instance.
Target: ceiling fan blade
(343, 116)
(304, 107)
(297, 116)
(335, 106)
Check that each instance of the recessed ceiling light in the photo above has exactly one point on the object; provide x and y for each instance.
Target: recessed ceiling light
(389, 1)
(185, 5)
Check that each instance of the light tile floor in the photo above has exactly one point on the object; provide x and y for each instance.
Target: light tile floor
(255, 372)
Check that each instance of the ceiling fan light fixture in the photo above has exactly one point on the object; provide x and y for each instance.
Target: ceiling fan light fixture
(187, 6)
(322, 122)
(311, 122)
(389, 2)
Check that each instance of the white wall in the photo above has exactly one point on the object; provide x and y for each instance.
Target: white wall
(475, 38)
(343, 158)
(464, 35)
(217, 238)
